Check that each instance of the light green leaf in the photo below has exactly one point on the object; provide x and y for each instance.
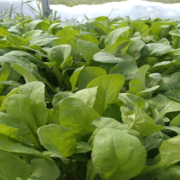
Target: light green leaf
(3, 32)
(10, 145)
(89, 73)
(119, 47)
(58, 140)
(114, 35)
(13, 167)
(126, 68)
(108, 89)
(91, 172)
(82, 147)
(16, 40)
(169, 153)
(175, 121)
(135, 48)
(70, 33)
(139, 120)
(137, 83)
(105, 57)
(74, 77)
(59, 54)
(42, 39)
(19, 106)
(77, 116)
(87, 49)
(110, 159)
(88, 95)
(157, 49)
(88, 37)
(35, 91)
(27, 56)
(172, 173)
(30, 34)
(164, 105)
(23, 132)
(43, 170)
(4, 74)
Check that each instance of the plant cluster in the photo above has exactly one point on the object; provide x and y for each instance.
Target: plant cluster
(98, 100)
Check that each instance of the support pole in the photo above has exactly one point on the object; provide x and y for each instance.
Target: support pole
(45, 7)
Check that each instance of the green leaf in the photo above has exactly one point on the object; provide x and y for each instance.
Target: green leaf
(14, 106)
(119, 47)
(126, 68)
(13, 167)
(74, 77)
(88, 95)
(36, 93)
(114, 35)
(139, 120)
(59, 54)
(30, 34)
(16, 40)
(9, 131)
(105, 122)
(24, 55)
(42, 39)
(22, 66)
(4, 74)
(82, 147)
(91, 172)
(108, 89)
(87, 50)
(10, 145)
(43, 170)
(33, 24)
(58, 140)
(77, 116)
(169, 153)
(110, 159)
(23, 132)
(164, 105)
(137, 83)
(141, 27)
(105, 57)
(89, 73)
(67, 33)
(88, 37)
(3, 32)
(29, 77)
(172, 173)
(175, 121)
(157, 49)
(135, 48)
(176, 38)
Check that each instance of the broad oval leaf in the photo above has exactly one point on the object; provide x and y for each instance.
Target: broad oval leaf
(105, 57)
(87, 49)
(58, 140)
(13, 167)
(114, 35)
(117, 155)
(36, 93)
(43, 170)
(109, 87)
(77, 116)
(59, 54)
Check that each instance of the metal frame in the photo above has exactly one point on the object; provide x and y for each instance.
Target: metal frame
(46, 8)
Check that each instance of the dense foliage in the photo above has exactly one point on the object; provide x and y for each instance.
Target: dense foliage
(98, 100)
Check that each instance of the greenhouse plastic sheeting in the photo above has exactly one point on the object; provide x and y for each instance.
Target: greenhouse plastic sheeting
(134, 9)
(5, 5)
